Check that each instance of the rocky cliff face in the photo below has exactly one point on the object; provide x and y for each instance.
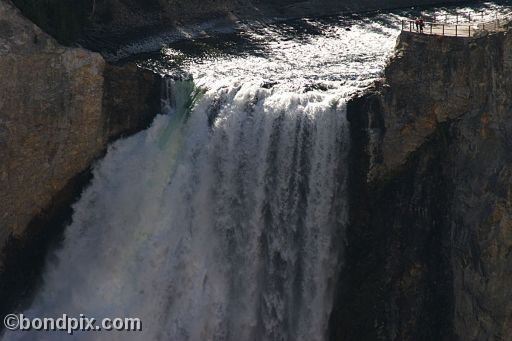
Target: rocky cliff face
(51, 122)
(430, 244)
(59, 107)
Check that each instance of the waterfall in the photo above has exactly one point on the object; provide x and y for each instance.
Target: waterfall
(222, 221)
(225, 220)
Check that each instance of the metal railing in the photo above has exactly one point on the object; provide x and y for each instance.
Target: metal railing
(463, 17)
(457, 30)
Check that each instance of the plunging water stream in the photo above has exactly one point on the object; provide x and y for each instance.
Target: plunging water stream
(225, 219)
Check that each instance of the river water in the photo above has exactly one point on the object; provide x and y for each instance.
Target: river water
(225, 219)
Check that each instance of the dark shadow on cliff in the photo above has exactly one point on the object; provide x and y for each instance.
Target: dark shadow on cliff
(397, 283)
(25, 257)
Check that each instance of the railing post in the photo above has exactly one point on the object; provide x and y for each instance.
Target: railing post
(469, 29)
(456, 30)
(402, 25)
(443, 30)
(430, 28)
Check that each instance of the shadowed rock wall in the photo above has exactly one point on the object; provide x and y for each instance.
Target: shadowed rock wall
(430, 242)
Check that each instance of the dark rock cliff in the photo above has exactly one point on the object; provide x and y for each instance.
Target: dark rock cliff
(429, 253)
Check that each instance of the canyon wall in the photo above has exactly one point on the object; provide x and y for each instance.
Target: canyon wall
(429, 253)
(59, 107)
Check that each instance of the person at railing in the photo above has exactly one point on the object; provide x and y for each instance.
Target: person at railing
(417, 23)
(421, 24)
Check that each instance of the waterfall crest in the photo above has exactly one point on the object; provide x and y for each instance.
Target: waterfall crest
(222, 222)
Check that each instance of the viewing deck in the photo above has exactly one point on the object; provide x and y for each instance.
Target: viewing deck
(466, 26)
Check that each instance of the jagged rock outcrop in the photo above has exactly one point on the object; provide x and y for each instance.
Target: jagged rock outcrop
(429, 253)
(59, 107)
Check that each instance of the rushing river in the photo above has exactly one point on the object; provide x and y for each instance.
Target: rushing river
(225, 219)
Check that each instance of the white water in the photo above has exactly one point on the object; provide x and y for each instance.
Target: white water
(227, 225)
(241, 243)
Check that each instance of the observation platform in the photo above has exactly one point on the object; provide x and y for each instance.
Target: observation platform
(463, 25)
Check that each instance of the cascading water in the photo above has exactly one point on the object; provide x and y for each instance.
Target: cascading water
(221, 232)
(224, 220)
